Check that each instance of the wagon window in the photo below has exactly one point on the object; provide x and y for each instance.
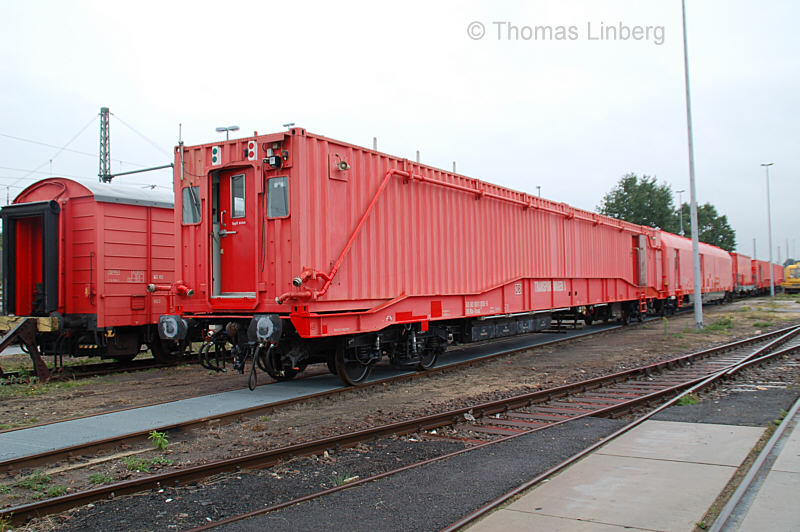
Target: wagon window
(237, 196)
(278, 197)
(191, 205)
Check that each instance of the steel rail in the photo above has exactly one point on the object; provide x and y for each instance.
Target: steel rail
(99, 369)
(263, 459)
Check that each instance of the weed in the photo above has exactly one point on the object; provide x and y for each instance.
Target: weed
(56, 491)
(688, 399)
(264, 418)
(37, 481)
(99, 478)
(340, 478)
(159, 439)
(160, 460)
(143, 465)
(702, 525)
(133, 463)
(5, 523)
(761, 324)
(5, 489)
(778, 420)
(721, 324)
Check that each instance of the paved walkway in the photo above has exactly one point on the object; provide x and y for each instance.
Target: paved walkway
(663, 475)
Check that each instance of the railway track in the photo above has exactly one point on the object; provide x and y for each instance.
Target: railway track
(86, 371)
(486, 423)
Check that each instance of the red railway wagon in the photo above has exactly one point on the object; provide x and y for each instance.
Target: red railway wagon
(77, 256)
(743, 279)
(761, 275)
(778, 274)
(298, 249)
(716, 266)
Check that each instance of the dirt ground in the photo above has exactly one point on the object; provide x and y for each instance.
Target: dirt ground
(533, 369)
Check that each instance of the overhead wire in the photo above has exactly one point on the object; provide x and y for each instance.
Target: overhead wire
(60, 150)
(156, 146)
(94, 155)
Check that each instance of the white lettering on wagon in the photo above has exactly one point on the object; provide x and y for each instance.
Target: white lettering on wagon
(547, 286)
(476, 307)
(136, 276)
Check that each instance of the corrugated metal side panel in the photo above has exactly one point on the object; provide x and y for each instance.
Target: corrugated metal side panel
(124, 265)
(423, 239)
(162, 258)
(718, 268)
(777, 274)
(81, 259)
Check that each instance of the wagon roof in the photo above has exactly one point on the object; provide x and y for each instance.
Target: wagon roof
(109, 192)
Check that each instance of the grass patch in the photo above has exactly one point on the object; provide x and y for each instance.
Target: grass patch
(56, 491)
(688, 399)
(778, 420)
(36, 481)
(5, 489)
(32, 388)
(339, 479)
(721, 324)
(99, 478)
(143, 465)
(761, 324)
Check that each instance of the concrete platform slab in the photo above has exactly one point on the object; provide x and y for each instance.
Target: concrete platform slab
(630, 492)
(687, 442)
(515, 520)
(775, 506)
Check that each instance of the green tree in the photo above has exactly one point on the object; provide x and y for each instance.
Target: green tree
(714, 229)
(641, 201)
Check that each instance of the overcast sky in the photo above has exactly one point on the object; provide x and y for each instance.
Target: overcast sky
(516, 107)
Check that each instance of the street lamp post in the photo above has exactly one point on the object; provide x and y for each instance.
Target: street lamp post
(227, 130)
(698, 287)
(769, 233)
(680, 207)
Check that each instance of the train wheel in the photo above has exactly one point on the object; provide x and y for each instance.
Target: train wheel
(428, 359)
(350, 368)
(166, 350)
(125, 346)
(433, 349)
(331, 363)
(271, 363)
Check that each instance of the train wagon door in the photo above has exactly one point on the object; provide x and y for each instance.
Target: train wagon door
(30, 258)
(237, 229)
(640, 259)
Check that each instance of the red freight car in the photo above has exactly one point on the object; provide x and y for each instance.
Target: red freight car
(761, 274)
(678, 278)
(743, 280)
(777, 274)
(77, 256)
(297, 249)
